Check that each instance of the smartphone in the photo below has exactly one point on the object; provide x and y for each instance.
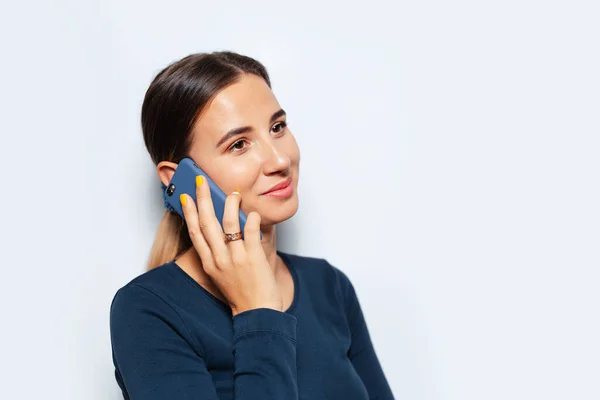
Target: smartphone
(184, 181)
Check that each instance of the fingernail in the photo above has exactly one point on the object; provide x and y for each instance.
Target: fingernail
(182, 198)
(235, 192)
(199, 180)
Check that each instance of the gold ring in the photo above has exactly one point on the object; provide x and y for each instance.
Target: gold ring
(230, 237)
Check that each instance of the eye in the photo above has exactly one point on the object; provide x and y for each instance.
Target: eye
(235, 148)
(279, 127)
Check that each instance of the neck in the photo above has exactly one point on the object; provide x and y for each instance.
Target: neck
(269, 244)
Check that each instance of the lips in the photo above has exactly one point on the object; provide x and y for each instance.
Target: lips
(279, 186)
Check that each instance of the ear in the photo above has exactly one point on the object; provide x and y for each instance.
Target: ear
(165, 170)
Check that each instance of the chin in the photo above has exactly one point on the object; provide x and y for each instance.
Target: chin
(274, 211)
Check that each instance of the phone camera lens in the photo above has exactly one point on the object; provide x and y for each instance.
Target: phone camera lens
(171, 190)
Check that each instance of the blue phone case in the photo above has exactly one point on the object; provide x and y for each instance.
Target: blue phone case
(184, 181)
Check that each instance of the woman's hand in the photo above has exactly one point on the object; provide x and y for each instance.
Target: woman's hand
(239, 268)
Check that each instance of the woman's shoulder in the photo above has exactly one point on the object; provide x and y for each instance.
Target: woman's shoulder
(155, 286)
(307, 264)
(318, 269)
(148, 307)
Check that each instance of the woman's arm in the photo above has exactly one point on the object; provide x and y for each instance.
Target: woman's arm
(361, 352)
(156, 361)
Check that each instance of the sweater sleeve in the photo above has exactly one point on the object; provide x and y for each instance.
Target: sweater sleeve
(362, 352)
(154, 358)
(264, 343)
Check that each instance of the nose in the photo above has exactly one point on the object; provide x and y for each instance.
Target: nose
(275, 159)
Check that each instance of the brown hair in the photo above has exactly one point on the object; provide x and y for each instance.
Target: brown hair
(172, 103)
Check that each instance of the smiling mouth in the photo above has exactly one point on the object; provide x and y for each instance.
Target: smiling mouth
(279, 187)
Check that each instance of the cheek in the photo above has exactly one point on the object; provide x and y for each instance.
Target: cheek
(241, 176)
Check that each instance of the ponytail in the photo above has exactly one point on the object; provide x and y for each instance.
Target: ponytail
(172, 239)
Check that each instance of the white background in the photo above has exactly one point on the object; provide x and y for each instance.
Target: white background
(450, 166)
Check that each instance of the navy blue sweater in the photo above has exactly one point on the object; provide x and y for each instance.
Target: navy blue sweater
(172, 339)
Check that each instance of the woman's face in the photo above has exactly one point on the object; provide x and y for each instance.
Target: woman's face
(242, 142)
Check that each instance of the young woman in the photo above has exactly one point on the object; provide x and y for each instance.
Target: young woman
(217, 316)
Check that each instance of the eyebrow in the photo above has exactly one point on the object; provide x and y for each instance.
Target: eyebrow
(244, 129)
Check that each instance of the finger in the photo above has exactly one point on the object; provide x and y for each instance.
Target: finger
(252, 232)
(209, 224)
(190, 213)
(231, 222)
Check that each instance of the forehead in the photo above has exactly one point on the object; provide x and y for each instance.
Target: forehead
(248, 101)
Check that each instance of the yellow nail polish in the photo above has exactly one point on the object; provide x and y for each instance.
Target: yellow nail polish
(199, 180)
(182, 198)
